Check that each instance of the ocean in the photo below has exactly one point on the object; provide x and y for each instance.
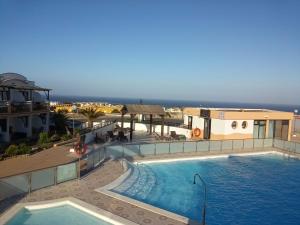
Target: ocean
(175, 103)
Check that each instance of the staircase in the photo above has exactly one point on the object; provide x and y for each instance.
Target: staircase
(139, 184)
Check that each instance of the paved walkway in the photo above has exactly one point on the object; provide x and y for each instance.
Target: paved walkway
(84, 190)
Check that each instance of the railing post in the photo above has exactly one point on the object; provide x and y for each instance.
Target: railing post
(93, 159)
(169, 147)
(196, 142)
(182, 146)
(209, 145)
(232, 141)
(78, 175)
(154, 148)
(243, 144)
(29, 183)
(55, 175)
(221, 146)
(264, 143)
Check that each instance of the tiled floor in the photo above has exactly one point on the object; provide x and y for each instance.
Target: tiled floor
(84, 190)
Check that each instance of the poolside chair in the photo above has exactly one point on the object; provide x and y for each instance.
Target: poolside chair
(174, 135)
(111, 135)
(99, 139)
(121, 137)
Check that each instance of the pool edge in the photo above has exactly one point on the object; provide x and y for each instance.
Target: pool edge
(106, 189)
(74, 202)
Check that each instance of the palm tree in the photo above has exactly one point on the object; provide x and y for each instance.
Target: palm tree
(91, 114)
(59, 119)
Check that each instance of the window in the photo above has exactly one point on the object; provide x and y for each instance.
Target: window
(234, 125)
(190, 122)
(244, 124)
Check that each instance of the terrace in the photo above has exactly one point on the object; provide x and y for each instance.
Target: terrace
(100, 170)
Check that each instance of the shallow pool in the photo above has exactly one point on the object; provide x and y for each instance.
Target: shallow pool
(242, 190)
(60, 215)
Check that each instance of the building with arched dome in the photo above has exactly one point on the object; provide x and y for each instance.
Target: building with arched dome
(24, 108)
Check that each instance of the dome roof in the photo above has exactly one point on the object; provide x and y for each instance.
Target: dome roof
(15, 80)
(12, 76)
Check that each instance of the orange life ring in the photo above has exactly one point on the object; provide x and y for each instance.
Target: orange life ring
(197, 132)
(80, 150)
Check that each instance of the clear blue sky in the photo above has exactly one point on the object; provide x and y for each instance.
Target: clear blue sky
(197, 50)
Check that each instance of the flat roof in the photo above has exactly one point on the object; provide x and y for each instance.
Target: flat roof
(240, 110)
(45, 159)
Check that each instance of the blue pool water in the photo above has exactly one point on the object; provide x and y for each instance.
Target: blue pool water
(243, 190)
(62, 215)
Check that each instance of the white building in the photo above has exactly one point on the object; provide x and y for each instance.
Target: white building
(231, 123)
(24, 107)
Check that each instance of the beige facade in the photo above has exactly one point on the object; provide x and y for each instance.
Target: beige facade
(227, 123)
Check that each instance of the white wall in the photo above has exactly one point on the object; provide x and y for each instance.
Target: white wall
(198, 122)
(217, 126)
(157, 129)
(186, 120)
(90, 137)
(224, 127)
(239, 129)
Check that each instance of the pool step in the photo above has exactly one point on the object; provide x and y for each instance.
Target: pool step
(140, 183)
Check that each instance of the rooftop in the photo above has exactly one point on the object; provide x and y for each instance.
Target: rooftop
(239, 110)
(143, 109)
(18, 81)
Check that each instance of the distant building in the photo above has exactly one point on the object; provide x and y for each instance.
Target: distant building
(24, 107)
(221, 124)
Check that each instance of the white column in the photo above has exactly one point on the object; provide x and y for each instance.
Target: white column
(46, 126)
(29, 127)
(6, 134)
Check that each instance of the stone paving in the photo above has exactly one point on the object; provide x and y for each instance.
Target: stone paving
(83, 189)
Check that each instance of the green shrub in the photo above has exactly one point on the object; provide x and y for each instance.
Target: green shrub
(43, 138)
(23, 149)
(46, 145)
(12, 150)
(65, 137)
(55, 137)
(77, 131)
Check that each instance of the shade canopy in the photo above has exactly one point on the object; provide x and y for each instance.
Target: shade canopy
(143, 109)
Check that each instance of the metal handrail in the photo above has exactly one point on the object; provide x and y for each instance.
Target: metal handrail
(203, 222)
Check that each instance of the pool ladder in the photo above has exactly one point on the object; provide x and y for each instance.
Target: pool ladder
(203, 222)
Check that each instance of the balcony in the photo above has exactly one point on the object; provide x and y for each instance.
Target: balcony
(40, 106)
(4, 107)
(20, 107)
(23, 107)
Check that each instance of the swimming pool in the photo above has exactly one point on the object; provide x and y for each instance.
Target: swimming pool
(60, 212)
(65, 214)
(244, 190)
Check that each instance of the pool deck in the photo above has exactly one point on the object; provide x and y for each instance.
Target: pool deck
(84, 190)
